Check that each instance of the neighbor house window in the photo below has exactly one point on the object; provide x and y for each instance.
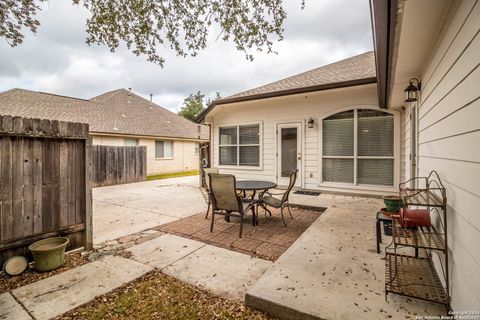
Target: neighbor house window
(163, 149)
(130, 142)
(240, 145)
(358, 148)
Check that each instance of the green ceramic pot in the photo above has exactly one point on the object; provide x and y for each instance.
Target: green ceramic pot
(393, 203)
(49, 254)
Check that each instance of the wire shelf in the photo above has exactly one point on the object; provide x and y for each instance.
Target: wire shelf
(419, 237)
(413, 277)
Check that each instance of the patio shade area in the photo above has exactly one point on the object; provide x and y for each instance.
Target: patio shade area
(269, 240)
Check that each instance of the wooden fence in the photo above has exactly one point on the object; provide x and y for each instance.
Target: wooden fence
(45, 187)
(116, 165)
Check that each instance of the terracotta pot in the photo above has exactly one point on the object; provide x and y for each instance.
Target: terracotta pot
(415, 218)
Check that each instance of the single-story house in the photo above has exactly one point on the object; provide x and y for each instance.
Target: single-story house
(325, 122)
(348, 127)
(119, 118)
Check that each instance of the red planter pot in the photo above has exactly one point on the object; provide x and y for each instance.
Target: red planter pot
(415, 218)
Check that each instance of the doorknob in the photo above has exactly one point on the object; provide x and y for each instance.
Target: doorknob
(299, 157)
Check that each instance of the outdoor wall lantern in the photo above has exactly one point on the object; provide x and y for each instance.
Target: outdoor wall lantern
(411, 92)
(310, 122)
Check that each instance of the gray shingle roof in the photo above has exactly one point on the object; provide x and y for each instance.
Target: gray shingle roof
(115, 112)
(354, 68)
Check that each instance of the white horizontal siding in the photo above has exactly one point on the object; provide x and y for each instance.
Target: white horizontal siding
(449, 136)
(299, 108)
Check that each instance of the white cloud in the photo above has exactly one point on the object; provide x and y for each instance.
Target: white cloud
(57, 59)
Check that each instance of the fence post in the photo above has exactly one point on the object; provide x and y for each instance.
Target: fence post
(88, 195)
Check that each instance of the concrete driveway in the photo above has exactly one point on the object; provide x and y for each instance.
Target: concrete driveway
(130, 208)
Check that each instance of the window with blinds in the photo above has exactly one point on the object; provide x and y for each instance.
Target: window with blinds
(163, 149)
(358, 148)
(239, 145)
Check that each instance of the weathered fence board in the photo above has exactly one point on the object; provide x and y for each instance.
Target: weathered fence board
(44, 188)
(116, 165)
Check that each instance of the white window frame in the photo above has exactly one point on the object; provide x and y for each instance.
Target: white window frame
(355, 185)
(238, 125)
(164, 158)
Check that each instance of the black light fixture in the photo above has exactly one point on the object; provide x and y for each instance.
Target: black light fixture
(311, 122)
(411, 92)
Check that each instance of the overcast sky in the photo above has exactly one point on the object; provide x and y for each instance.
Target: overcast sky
(57, 60)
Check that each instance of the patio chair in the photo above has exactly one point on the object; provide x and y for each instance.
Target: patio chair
(206, 182)
(225, 197)
(268, 198)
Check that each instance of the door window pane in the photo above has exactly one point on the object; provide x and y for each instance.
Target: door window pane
(375, 133)
(289, 151)
(375, 171)
(337, 170)
(338, 134)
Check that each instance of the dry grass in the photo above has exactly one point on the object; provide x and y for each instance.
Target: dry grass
(173, 175)
(158, 296)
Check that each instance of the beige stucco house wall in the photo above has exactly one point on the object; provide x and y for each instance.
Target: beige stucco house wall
(185, 153)
(438, 42)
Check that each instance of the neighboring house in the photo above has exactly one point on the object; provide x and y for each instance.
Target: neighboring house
(438, 42)
(119, 118)
(325, 122)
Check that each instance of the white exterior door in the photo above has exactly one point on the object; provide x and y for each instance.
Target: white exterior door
(289, 152)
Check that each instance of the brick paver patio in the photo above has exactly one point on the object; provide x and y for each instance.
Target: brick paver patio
(268, 240)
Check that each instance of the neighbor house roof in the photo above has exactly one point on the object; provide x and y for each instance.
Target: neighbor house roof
(117, 112)
(356, 70)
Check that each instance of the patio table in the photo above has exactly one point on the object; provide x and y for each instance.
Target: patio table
(255, 185)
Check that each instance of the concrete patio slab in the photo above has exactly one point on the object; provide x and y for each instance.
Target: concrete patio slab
(113, 221)
(164, 250)
(223, 272)
(129, 208)
(54, 296)
(333, 272)
(11, 309)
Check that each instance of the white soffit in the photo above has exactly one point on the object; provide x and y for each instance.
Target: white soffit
(420, 25)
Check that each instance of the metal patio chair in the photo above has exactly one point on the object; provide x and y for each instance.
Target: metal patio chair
(225, 197)
(206, 183)
(268, 198)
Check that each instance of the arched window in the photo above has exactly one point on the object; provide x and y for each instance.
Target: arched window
(358, 148)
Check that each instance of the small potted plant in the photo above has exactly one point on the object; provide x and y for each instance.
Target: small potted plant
(393, 203)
